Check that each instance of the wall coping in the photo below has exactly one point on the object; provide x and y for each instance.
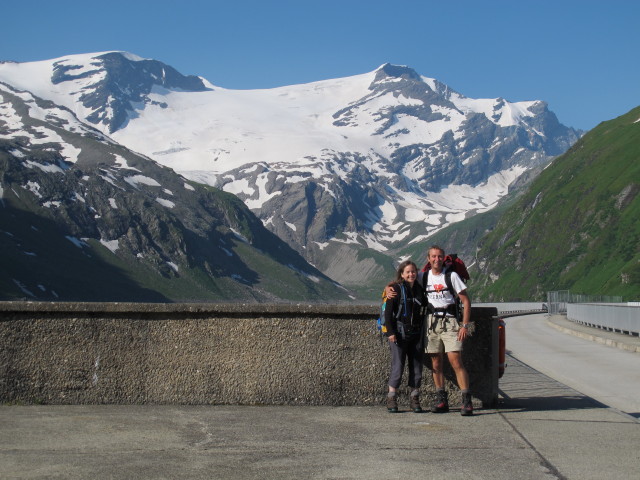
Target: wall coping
(262, 309)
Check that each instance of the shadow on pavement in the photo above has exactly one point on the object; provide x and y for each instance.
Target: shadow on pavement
(560, 402)
(524, 388)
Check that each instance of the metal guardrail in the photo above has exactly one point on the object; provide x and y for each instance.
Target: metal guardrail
(516, 307)
(616, 318)
(559, 300)
(599, 311)
(613, 316)
(518, 313)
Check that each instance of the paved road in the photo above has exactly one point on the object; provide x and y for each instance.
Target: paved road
(607, 374)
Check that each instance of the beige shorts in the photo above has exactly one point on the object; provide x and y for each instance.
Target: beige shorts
(442, 335)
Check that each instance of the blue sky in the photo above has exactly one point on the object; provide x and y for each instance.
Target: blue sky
(579, 56)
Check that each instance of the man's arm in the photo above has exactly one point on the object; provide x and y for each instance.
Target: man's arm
(466, 315)
(389, 291)
(466, 303)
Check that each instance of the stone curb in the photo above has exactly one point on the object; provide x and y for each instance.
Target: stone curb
(602, 337)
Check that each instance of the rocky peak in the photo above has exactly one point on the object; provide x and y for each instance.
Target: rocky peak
(119, 82)
(389, 71)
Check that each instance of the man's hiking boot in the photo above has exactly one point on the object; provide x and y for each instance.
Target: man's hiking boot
(415, 404)
(441, 404)
(467, 405)
(392, 404)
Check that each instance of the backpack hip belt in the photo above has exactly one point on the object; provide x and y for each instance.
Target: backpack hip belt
(449, 310)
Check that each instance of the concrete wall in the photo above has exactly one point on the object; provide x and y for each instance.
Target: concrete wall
(93, 353)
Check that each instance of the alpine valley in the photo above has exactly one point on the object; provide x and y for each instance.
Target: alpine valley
(120, 179)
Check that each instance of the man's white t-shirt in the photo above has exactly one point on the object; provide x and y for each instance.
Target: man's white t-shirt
(437, 292)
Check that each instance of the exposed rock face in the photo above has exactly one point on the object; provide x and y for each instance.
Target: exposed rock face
(83, 218)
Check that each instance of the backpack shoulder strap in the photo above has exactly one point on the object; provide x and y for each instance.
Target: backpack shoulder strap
(456, 304)
(422, 279)
(425, 280)
(403, 301)
(447, 280)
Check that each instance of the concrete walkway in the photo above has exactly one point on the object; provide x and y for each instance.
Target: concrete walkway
(607, 372)
(542, 429)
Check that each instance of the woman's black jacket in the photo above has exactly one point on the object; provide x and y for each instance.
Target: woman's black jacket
(411, 305)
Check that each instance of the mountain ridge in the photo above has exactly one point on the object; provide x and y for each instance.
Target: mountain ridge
(356, 165)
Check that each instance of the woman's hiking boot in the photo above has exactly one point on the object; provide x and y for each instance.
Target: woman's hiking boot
(467, 405)
(415, 404)
(441, 404)
(392, 403)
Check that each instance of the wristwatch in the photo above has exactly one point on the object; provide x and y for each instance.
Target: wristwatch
(465, 325)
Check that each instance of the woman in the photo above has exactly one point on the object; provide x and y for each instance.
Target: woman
(404, 317)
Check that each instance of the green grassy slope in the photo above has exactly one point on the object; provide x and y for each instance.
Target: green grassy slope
(578, 225)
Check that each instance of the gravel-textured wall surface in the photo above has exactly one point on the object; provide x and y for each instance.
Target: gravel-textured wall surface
(92, 353)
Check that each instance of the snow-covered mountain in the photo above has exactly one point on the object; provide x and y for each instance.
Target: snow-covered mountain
(334, 167)
(84, 218)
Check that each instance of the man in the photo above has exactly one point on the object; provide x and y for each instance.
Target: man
(444, 333)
